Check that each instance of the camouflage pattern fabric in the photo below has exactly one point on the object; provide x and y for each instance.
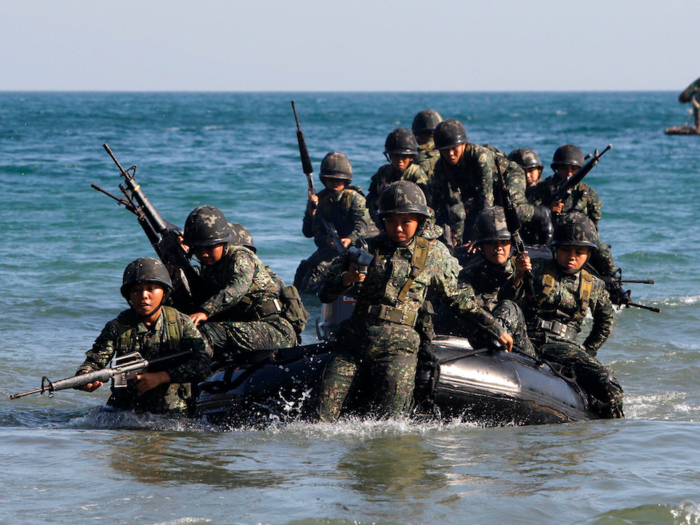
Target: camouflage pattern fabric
(427, 158)
(244, 286)
(563, 303)
(602, 260)
(312, 272)
(486, 279)
(385, 176)
(460, 192)
(516, 182)
(152, 342)
(383, 341)
(583, 198)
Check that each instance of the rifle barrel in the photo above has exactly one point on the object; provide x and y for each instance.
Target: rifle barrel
(638, 281)
(645, 307)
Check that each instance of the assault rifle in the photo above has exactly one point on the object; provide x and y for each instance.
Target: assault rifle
(513, 225)
(567, 187)
(163, 236)
(304, 153)
(125, 368)
(621, 297)
(360, 256)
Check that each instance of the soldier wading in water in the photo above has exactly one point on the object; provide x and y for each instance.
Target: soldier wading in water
(153, 330)
(377, 347)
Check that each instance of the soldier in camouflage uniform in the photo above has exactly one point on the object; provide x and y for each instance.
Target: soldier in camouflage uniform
(568, 159)
(423, 127)
(564, 294)
(463, 182)
(341, 206)
(400, 149)
(245, 310)
(153, 330)
(378, 345)
(530, 162)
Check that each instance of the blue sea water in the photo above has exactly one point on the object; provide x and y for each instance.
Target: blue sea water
(63, 248)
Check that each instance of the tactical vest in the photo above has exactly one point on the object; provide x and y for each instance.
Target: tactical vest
(584, 290)
(127, 331)
(344, 203)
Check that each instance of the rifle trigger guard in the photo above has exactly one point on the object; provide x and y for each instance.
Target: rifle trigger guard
(50, 390)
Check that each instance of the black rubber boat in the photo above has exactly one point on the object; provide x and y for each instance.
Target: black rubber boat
(489, 388)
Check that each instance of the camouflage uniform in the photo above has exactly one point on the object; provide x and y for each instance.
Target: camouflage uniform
(127, 334)
(427, 158)
(554, 317)
(347, 211)
(516, 182)
(385, 176)
(460, 192)
(245, 308)
(378, 343)
(583, 198)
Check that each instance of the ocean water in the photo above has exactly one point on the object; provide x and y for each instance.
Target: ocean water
(63, 248)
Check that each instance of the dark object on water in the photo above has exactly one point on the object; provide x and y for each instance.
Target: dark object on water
(491, 388)
(691, 94)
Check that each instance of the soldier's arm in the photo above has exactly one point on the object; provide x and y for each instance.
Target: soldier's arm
(307, 227)
(603, 317)
(102, 350)
(241, 271)
(359, 215)
(487, 174)
(595, 207)
(333, 286)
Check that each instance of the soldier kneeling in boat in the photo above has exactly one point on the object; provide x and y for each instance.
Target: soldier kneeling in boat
(246, 309)
(153, 330)
(564, 293)
(378, 345)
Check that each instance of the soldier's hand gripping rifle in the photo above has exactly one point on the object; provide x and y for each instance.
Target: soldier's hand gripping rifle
(513, 225)
(123, 369)
(567, 187)
(163, 236)
(304, 153)
(622, 297)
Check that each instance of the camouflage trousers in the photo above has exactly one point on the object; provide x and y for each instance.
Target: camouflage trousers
(171, 398)
(592, 375)
(376, 363)
(228, 338)
(312, 271)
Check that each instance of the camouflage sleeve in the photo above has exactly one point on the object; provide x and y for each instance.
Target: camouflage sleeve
(373, 194)
(199, 367)
(422, 181)
(102, 350)
(460, 299)
(487, 169)
(307, 227)
(333, 285)
(240, 279)
(517, 186)
(603, 317)
(594, 209)
(359, 217)
(539, 194)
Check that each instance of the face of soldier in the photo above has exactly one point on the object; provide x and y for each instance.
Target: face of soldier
(333, 184)
(533, 175)
(566, 171)
(496, 252)
(452, 155)
(400, 162)
(401, 227)
(572, 258)
(208, 255)
(146, 298)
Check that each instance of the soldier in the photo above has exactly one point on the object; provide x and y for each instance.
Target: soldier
(400, 149)
(530, 162)
(423, 127)
(463, 182)
(379, 344)
(245, 311)
(564, 294)
(153, 330)
(340, 206)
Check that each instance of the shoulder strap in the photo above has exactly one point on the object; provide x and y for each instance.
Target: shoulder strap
(548, 282)
(584, 293)
(125, 331)
(420, 255)
(172, 320)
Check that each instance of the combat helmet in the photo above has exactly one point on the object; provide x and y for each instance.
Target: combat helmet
(402, 197)
(337, 166)
(450, 133)
(491, 226)
(242, 236)
(526, 158)
(567, 155)
(149, 270)
(575, 229)
(401, 141)
(206, 226)
(426, 120)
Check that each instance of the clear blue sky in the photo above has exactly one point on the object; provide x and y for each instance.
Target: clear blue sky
(356, 45)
